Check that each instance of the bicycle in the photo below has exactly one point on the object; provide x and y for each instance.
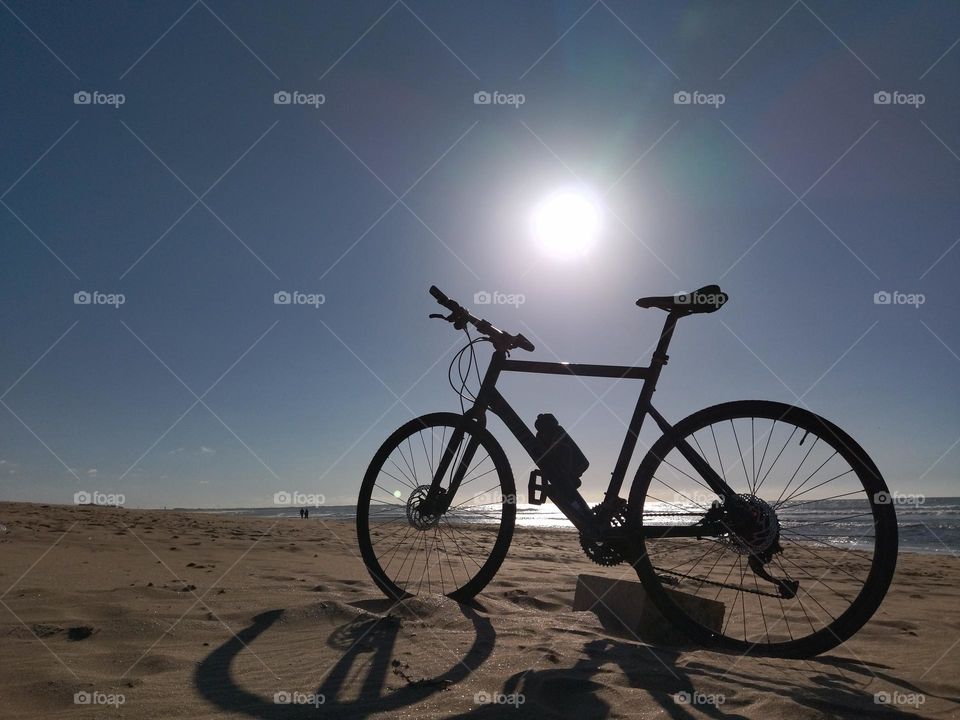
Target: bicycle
(787, 555)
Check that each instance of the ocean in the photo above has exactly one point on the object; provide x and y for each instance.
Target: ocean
(926, 525)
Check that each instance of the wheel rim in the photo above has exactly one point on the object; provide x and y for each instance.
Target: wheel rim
(411, 549)
(817, 524)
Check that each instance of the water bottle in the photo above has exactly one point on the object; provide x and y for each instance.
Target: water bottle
(562, 459)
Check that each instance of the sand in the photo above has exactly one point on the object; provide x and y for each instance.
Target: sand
(144, 614)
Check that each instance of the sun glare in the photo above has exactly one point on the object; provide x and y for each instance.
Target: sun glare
(566, 224)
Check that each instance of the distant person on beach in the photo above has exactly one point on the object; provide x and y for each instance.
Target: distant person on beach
(306, 513)
(301, 513)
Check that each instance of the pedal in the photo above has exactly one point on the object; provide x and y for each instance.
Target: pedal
(536, 489)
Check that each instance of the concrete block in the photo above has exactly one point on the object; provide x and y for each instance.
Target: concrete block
(625, 608)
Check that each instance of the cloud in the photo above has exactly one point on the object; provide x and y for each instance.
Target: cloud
(204, 450)
(92, 472)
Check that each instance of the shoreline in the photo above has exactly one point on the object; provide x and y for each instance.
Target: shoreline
(932, 551)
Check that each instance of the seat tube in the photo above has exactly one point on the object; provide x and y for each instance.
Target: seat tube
(657, 362)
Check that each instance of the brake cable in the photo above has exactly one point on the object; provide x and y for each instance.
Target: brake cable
(463, 392)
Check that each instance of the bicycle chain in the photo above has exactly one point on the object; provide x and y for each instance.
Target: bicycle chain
(717, 584)
(704, 581)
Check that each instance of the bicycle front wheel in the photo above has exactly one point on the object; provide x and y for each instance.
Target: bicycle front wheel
(409, 551)
(805, 559)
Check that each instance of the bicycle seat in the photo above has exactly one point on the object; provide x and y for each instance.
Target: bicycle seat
(707, 299)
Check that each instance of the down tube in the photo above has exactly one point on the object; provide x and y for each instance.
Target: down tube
(514, 424)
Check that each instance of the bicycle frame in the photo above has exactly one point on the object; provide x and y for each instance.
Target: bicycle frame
(573, 506)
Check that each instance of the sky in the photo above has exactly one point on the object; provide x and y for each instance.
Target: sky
(183, 189)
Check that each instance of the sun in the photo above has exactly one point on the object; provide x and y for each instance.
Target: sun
(566, 224)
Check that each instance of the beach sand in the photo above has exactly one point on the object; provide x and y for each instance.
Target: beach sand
(186, 615)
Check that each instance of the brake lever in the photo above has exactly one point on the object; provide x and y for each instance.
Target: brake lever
(459, 320)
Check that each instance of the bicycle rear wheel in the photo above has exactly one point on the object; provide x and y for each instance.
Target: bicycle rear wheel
(407, 551)
(815, 512)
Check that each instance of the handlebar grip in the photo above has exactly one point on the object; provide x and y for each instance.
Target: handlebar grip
(525, 344)
(438, 295)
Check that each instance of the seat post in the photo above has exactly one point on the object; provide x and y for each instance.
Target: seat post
(660, 356)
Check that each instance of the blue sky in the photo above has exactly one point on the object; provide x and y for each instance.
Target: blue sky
(198, 198)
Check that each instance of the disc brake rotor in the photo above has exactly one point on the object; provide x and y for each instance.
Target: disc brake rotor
(415, 510)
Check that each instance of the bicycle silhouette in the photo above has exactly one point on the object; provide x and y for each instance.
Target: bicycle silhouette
(760, 520)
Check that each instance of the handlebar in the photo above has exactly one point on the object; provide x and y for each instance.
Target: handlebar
(460, 317)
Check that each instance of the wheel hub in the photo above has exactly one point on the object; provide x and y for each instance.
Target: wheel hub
(754, 525)
(419, 515)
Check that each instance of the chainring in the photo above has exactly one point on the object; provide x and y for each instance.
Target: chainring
(604, 553)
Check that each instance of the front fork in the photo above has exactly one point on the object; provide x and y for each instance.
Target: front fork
(439, 498)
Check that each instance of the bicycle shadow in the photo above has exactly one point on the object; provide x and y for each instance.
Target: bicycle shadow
(367, 643)
(830, 685)
(827, 684)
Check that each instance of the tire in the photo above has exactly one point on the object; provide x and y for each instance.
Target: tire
(871, 565)
(469, 564)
